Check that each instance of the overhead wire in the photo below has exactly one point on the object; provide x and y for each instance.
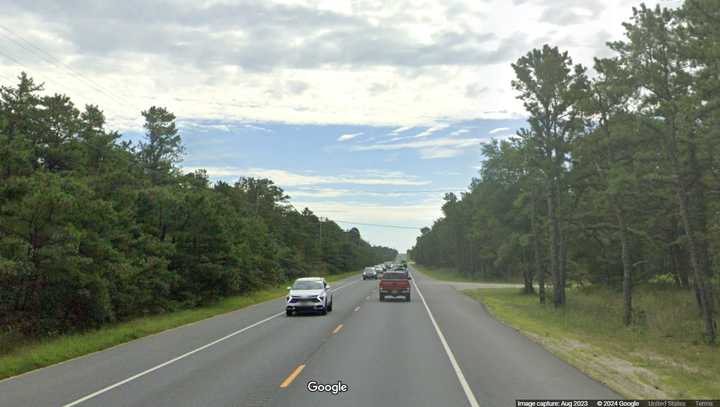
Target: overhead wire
(50, 58)
(377, 225)
(379, 192)
(43, 78)
(57, 63)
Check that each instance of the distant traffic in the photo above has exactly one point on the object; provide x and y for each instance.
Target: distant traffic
(313, 294)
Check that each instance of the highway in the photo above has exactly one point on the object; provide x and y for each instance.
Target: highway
(440, 349)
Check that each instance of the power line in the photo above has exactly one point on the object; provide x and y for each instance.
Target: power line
(7, 78)
(53, 60)
(377, 225)
(55, 81)
(10, 57)
(367, 191)
(56, 62)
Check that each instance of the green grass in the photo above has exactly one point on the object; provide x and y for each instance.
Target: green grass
(662, 355)
(34, 354)
(452, 274)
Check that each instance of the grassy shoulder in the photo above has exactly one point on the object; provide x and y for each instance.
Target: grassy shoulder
(452, 274)
(40, 353)
(662, 356)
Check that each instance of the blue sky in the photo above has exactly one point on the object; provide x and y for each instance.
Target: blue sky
(360, 175)
(352, 106)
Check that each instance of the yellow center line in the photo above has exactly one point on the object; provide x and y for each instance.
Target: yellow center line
(337, 329)
(292, 376)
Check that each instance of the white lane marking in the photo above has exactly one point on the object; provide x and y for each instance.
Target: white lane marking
(173, 360)
(184, 355)
(461, 377)
(345, 285)
(356, 309)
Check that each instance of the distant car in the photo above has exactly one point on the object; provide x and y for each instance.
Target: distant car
(394, 284)
(369, 274)
(309, 294)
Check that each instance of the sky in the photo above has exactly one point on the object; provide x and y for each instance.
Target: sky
(365, 111)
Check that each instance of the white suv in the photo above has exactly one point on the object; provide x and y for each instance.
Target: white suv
(309, 294)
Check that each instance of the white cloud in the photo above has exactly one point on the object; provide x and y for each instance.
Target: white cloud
(400, 64)
(499, 130)
(429, 149)
(204, 126)
(503, 137)
(286, 178)
(215, 60)
(423, 144)
(425, 133)
(257, 128)
(326, 193)
(418, 215)
(401, 130)
(346, 137)
(422, 213)
(433, 153)
(226, 126)
(347, 193)
(431, 130)
(459, 132)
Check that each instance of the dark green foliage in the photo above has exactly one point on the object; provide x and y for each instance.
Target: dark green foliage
(94, 231)
(615, 180)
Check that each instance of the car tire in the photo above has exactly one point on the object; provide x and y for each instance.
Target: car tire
(288, 313)
(407, 298)
(323, 311)
(382, 297)
(329, 308)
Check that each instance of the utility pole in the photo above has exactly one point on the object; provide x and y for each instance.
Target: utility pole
(322, 247)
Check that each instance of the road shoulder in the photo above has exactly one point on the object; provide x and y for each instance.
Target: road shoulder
(500, 364)
(629, 361)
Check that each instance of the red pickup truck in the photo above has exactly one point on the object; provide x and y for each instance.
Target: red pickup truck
(395, 284)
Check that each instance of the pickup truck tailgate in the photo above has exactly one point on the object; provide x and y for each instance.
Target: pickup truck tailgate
(394, 284)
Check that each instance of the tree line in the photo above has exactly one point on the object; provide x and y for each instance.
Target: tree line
(94, 229)
(615, 178)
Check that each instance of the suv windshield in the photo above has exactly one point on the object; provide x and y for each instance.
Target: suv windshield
(307, 285)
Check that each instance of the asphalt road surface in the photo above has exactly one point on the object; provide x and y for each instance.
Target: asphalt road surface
(440, 349)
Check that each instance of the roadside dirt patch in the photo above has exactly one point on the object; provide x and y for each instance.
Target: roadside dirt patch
(619, 374)
(661, 360)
